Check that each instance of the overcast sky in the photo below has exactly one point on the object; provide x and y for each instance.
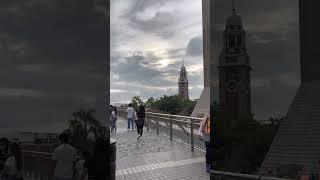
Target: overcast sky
(53, 55)
(149, 39)
(52, 60)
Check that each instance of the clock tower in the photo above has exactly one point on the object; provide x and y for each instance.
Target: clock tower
(234, 70)
(183, 83)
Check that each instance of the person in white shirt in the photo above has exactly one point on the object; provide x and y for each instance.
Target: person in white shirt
(13, 165)
(65, 157)
(130, 116)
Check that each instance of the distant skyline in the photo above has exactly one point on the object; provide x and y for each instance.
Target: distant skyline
(163, 32)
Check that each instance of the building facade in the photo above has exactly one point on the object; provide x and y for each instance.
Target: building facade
(203, 104)
(234, 70)
(183, 84)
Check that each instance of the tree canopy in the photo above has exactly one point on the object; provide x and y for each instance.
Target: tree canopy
(243, 144)
(171, 104)
(82, 124)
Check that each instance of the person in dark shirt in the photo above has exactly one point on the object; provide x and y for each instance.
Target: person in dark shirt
(110, 110)
(4, 145)
(140, 122)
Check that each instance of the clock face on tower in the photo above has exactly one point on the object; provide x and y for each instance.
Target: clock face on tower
(232, 86)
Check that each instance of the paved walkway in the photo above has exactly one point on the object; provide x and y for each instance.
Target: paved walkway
(155, 157)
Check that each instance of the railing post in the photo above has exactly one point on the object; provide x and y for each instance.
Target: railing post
(191, 135)
(157, 124)
(170, 128)
(147, 121)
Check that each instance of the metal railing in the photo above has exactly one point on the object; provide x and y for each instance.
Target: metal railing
(38, 165)
(180, 128)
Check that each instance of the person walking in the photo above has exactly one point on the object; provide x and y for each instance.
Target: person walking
(12, 169)
(130, 116)
(140, 122)
(65, 157)
(204, 132)
(114, 119)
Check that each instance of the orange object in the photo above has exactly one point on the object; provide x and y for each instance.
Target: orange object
(207, 127)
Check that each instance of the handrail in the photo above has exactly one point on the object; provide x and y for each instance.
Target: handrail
(37, 152)
(182, 122)
(175, 120)
(186, 117)
(244, 176)
(40, 153)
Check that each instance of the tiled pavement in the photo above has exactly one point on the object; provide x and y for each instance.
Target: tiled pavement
(155, 157)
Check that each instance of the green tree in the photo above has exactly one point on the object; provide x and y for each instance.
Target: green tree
(242, 144)
(81, 125)
(86, 118)
(136, 101)
(174, 105)
(150, 102)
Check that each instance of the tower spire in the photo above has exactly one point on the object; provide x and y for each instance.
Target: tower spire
(233, 6)
(182, 61)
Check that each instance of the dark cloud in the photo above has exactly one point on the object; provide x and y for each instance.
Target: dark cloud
(159, 20)
(194, 47)
(141, 5)
(53, 60)
(141, 69)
